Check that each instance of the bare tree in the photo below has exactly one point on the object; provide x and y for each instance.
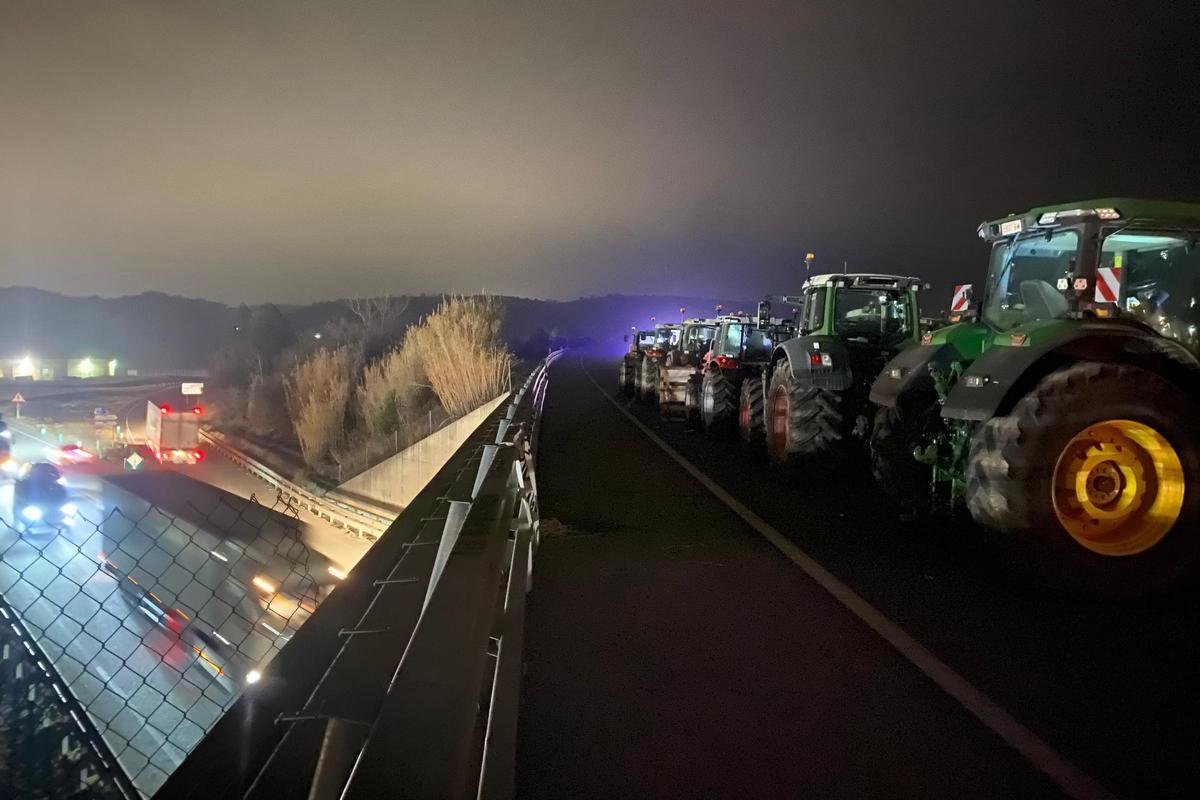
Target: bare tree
(374, 312)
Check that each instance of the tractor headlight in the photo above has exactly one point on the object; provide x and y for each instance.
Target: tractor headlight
(31, 513)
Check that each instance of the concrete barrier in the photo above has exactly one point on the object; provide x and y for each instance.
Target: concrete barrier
(400, 478)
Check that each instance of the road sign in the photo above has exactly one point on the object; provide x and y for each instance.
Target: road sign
(192, 388)
(100, 412)
(134, 461)
(17, 398)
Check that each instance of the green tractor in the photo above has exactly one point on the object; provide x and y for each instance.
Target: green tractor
(631, 362)
(1061, 417)
(816, 393)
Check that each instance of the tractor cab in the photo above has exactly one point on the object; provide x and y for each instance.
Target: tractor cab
(694, 341)
(872, 310)
(1127, 260)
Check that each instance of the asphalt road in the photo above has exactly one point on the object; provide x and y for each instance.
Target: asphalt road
(166, 593)
(673, 652)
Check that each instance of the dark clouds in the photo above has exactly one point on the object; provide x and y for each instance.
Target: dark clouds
(293, 151)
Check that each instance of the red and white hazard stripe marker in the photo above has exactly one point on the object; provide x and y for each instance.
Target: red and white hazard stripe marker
(1108, 284)
(962, 298)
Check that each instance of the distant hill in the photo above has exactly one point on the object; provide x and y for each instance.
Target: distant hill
(150, 330)
(161, 331)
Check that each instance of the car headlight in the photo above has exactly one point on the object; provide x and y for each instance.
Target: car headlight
(7, 434)
(31, 513)
(69, 509)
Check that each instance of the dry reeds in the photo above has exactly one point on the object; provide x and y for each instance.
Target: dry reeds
(318, 390)
(388, 389)
(461, 353)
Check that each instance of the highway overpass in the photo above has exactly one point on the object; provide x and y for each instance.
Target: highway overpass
(698, 626)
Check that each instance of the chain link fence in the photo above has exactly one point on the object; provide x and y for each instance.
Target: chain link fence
(154, 623)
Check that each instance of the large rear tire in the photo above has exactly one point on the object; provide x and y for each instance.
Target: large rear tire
(897, 432)
(718, 403)
(648, 390)
(1093, 480)
(691, 404)
(801, 420)
(625, 379)
(752, 424)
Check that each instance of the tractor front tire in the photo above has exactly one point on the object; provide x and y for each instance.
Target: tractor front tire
(752, 424)
(801, 420)
(718, 403)
(897, 432)
(1092, 482)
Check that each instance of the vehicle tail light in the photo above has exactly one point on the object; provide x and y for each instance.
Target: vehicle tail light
(814, 359)
(199, 455)
(725, 362)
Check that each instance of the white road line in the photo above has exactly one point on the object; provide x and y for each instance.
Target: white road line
(1073, 781)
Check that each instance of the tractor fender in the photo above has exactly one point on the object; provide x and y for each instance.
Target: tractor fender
(1004, 374)
(909, 370)
(799, 351)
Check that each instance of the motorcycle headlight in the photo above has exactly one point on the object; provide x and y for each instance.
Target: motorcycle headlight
(69, 509)
(31, 513)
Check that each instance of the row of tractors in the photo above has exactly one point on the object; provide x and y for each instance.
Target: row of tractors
(1058, 411)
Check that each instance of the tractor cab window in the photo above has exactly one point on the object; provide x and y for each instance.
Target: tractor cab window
(646, 338)
(729, 341)
(1024, 278)
(699, 336)
(814, 309)
(1156, 277)
(874, 315)
(757, 345)
(666, 337)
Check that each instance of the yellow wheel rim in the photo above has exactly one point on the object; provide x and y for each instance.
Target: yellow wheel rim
(1118, 487)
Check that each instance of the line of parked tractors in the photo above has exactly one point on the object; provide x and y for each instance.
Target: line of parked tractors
(1060, 411)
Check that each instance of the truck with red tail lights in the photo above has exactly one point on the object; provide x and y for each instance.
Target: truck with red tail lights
(172, 435)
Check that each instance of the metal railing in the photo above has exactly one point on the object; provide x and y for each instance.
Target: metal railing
(354, 519)
(407, 680)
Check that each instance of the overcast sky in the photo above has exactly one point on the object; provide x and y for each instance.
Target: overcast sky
(294, 151)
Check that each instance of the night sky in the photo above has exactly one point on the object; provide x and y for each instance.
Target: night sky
(295, 151)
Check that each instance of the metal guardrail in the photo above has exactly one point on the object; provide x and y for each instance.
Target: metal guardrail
(406, 681)
(359, 522)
